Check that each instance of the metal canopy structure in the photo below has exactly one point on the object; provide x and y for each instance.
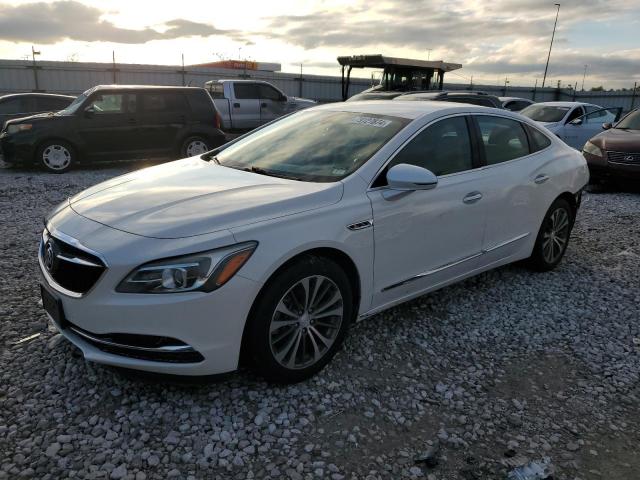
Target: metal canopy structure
(392, 65)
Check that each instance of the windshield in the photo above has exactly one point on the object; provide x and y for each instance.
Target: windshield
(315, 146)
(73, 106)
(545, 113)
(630, 122)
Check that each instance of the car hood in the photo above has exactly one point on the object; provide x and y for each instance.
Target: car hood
(48, 116)
(618, 140)
(193, 197)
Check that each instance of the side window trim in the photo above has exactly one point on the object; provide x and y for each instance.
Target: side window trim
(478, 156)
(383, 168)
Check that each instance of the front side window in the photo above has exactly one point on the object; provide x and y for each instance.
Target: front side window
(443, 148)
(246, 91)
(545, 113)
(315, 146)
(577, 112)
(107, 103)
(267, 92)
(503, 139)
(604, 115)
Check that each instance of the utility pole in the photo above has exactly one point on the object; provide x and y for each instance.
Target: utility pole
(506, 81)
(633, 95)
(300, 80)
(113, 65)
(471, 83)
(583, 76)
(544, 78)
(429, 53)
(535, 88)
(35, 67)
(183, 70)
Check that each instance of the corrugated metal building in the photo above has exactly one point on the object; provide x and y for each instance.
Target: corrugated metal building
(76, 77)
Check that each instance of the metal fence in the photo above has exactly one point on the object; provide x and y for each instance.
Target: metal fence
(76, 77)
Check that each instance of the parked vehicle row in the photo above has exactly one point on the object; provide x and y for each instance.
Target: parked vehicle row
(247, 104)
(116, 122)
(261, 251)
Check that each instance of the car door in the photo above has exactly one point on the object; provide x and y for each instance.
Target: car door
(273, 103)
(426, 238)
(245, 108)
(578, 131)
(517, 192)
(107, 125)
(162, 118)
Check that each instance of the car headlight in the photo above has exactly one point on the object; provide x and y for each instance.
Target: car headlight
(21, 127)
(203, 272)
(592, 149)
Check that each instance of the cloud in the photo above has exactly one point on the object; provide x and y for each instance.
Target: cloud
(47, 23)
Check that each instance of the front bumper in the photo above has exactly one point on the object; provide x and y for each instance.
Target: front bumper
(601, 169)
(17, 150)
(192, 333)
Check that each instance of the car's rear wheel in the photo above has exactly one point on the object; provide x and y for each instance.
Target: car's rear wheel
(193, 146)
(300, 320)
(553, 237)
(56, 156)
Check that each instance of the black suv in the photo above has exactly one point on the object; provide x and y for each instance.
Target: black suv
(17, 105)
(116, 122)
(474, 98)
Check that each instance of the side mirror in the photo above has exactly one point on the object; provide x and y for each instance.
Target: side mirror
(607, 126)
(89, 111)
(404, 177)
(283, 98)
(577, 121)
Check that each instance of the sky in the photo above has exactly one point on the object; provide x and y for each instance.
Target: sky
(494, 40)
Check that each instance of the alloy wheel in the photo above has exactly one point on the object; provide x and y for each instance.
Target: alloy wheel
(555, 235)
(56, 157)
(306, 322)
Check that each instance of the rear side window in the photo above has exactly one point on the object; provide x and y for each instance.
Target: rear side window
(216, 90)
(537, 140)
(503, 139)
(162, 102)
(245, 91)
(51, 104)
(200, 103)
(443, 148)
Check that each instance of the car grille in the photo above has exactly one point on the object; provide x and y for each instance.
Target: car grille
(72, 268)
(624, 158)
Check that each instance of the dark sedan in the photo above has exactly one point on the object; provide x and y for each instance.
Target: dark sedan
(18, 105)
(615, 153)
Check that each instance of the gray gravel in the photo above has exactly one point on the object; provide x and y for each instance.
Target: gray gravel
(470, 382)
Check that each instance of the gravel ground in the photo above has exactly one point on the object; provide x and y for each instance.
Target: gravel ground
(467, 383)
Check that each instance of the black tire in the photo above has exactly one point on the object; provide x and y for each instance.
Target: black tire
(56, 156)
(260, 336)
(193, 143)
(541, 259)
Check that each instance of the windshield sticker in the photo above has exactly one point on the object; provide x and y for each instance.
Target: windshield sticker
(371, 121)
(338, 171)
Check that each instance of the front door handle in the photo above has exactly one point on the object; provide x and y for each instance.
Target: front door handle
(541, 178)
(236, 105)
(472, 197)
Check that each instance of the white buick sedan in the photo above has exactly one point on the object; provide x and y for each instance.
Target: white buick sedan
(264, 251)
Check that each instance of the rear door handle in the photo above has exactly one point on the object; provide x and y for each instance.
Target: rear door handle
(236, 105)
(541, 178)
(263, 105)
(472, 197)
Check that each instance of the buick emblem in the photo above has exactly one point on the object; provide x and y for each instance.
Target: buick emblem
(49, 256)
(629, 158)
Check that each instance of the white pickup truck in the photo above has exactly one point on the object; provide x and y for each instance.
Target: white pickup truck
(246, 104)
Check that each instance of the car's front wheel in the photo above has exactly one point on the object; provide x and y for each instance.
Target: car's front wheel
(300, 320)
(553, 237)
(56, 156)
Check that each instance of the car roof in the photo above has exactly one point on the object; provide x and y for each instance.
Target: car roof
(143, 87)
(508, 99)
(35, 94)
(565, 104)
(408, 110)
